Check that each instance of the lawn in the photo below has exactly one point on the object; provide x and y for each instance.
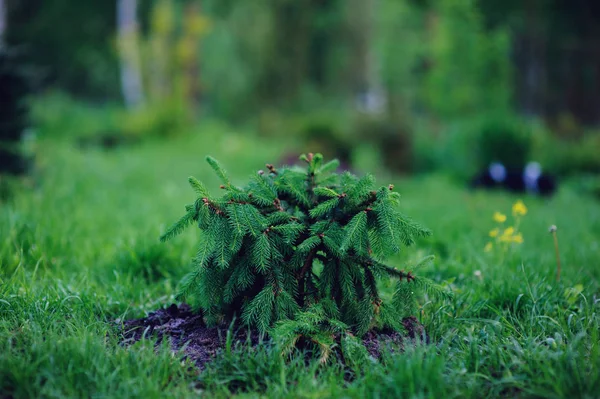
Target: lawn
(80, 252)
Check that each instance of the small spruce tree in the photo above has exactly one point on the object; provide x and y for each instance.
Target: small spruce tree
(300, 250)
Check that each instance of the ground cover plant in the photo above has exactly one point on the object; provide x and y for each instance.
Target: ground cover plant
(79, 251)
(300, 249)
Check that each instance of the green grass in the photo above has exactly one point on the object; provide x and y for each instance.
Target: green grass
(79, 251)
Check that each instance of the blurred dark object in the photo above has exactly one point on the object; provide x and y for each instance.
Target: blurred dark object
(107, 140)
(11, 162)
(529, 179)
(14, 88)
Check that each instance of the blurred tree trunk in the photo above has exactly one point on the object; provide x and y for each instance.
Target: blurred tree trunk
(534, 73)
(128, 36)
(193, 31)
(286, 68)
(302, 53)
(195, 27)
(160, 61)
(365, 72)
(2, 21)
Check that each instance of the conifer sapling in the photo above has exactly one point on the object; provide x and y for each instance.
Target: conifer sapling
(298, 252)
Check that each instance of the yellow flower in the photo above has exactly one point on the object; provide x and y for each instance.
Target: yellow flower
(498, 217)
(519, 208)
(488, 247)
(507, 234)
(517, 238)
(494, 233)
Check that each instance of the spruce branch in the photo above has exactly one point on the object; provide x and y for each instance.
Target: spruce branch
(179, 226)
(216, 166)
(302, 276)
(330, 166)
(198, 187)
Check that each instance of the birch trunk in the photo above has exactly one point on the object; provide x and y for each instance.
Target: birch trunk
(131, 75)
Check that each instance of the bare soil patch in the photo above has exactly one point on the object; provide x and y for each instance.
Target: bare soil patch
(186, 331)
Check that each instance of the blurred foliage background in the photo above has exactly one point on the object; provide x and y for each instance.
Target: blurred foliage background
(412, 85)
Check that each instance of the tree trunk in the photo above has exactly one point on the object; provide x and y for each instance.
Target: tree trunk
(192, 37)
(131, 76)
(367, 89)
(2, 21)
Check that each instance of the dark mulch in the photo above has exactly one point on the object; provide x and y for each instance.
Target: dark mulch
(375, 341)
(186, 330)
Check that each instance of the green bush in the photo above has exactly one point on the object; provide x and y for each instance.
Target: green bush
(59, 115)
(504, 139)
(581, 156)
(448, 148)
(463, 147)
(567, 156)
(63, 116)
(164, 119)
(469, 70)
